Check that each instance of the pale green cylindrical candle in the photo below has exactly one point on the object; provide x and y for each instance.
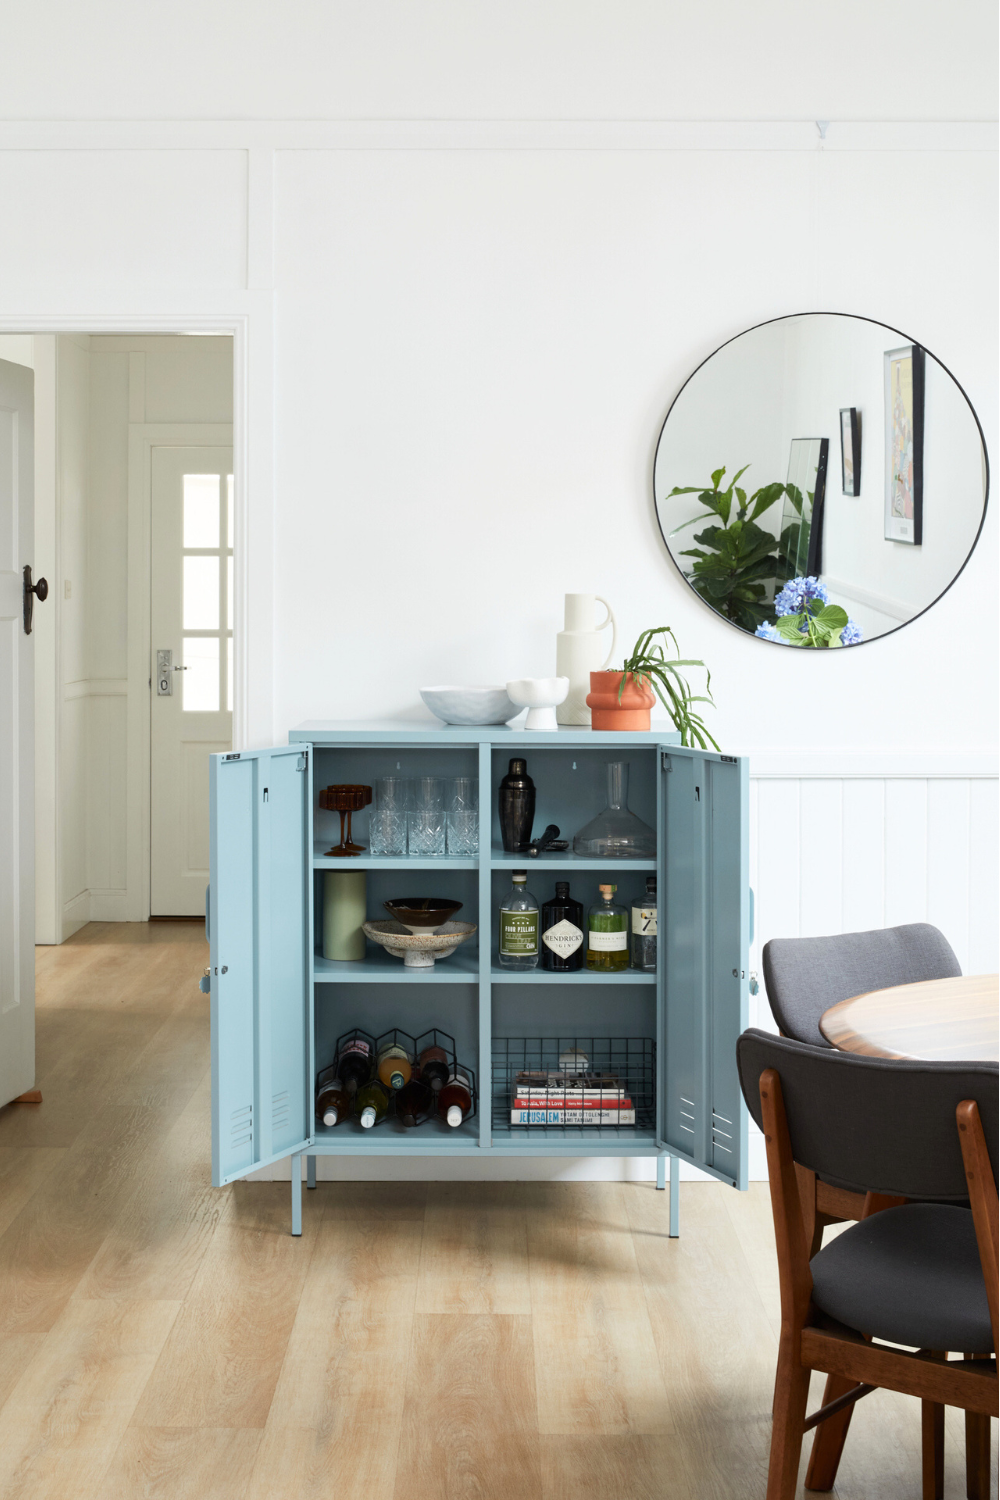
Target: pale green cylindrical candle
(344, 907)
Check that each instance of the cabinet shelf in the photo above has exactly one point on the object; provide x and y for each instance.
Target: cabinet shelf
(501, 860)
(382, 968)
(322, 861)
(582, 976)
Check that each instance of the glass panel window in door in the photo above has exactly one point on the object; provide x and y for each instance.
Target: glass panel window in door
(201, 674)
(201, 510)
(229, 675)
(201, 593)
(229, 592)
(229, 512)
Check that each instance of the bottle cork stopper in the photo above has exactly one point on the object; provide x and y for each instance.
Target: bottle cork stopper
(607, 890)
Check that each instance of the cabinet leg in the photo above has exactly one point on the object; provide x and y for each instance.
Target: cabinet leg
(675, 1198)
(661, 1173)
(310, 1171)
(296, 1194)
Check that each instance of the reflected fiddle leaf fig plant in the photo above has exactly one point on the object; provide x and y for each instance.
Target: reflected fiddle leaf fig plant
(736, 559)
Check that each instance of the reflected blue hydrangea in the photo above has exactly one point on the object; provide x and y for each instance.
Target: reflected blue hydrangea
(796, 593)
(851, 634)
(767, 632)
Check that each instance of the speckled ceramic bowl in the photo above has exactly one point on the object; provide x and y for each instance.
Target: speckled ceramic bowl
(418, 950)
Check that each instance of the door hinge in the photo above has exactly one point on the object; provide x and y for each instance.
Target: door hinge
(302, 763)
(665, 762)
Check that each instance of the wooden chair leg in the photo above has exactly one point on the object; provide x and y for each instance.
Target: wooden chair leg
(828, 1443)
(932, 1449)
(791, 1390)
(977, 1455)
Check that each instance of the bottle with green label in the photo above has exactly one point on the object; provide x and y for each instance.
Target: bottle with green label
(607, 934)
(519, 926)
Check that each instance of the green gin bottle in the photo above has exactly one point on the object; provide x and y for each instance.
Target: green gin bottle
(519, 926)
(607, 934)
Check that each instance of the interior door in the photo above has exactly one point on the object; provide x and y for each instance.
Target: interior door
(705, 936)
(191, 663)
(260, 919)
(17, 738)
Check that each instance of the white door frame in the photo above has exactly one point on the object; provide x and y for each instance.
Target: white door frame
(237, 326)
(143, 437)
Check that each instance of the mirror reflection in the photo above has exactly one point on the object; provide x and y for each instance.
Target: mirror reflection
(819, 481)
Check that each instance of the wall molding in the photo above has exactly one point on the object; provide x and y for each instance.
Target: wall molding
(96, 687)
(896, 609)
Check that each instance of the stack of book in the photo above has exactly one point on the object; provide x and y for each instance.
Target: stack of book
(570, 1099)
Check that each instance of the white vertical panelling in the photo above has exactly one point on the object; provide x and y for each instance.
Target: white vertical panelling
(905, 851)
(821, 882)
(948, 872)
(863, 900)
(984, 895)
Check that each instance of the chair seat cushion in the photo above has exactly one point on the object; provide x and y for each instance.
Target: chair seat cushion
(911, 1275)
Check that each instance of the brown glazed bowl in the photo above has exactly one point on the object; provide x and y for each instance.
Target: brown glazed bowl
(422, 913)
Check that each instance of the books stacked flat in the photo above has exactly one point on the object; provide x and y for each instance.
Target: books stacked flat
(570, 1099)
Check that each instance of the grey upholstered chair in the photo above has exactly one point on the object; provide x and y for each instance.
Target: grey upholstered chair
(921, 1274)
(805, 976)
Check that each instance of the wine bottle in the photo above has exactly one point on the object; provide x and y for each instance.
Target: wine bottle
(519, 926)
(644, 928)
(607, 934)
(333, 1102)
(371, 1103)
(414, 1102)
(517, 807)
(354, 1062)
(434, 1067)
(394, 1066)
(455, 1099)
(562, 932)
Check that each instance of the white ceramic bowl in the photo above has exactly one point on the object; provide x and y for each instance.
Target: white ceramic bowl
(469, 705)
(541, 696)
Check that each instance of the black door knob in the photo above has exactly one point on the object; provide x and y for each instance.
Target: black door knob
(41, 589)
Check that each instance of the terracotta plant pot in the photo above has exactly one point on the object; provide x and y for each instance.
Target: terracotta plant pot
(606, 710)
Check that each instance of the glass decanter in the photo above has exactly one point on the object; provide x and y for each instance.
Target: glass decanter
(616, 833)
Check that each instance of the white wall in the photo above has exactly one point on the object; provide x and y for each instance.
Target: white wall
(470, 254)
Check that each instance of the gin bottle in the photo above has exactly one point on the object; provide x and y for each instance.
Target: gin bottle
(562, 932)
(519, 926)
(644, 928)
(607, 934)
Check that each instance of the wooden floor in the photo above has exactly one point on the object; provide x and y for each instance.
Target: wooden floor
(496, 1341)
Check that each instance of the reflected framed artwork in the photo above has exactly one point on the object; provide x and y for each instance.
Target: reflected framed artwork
(904, 445)
(850, 450)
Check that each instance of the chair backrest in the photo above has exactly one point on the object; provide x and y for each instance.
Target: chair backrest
(873, 1124)
(805, 976)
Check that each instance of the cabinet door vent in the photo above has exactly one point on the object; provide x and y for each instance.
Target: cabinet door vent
(722, 1133)
(241, 1127)
(280, 1115)
(687, 1115)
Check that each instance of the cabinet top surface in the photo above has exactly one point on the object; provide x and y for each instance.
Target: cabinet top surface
(410, 731)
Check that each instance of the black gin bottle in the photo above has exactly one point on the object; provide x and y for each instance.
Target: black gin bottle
(517, 807)
(562, 932)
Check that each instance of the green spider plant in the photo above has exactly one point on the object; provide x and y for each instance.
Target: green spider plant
(651, 667)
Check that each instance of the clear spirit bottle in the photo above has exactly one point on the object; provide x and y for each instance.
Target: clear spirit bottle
(607, 934)
(519, 926)
(644, 928)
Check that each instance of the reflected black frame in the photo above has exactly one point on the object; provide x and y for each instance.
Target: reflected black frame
(860, 318)
(855, 427)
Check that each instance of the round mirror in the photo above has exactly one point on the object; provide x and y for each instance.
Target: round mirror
(820, 480)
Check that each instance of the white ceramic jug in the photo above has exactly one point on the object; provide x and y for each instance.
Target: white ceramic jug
(580, 651)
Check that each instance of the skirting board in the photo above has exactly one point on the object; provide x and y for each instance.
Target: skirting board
(481, 1168)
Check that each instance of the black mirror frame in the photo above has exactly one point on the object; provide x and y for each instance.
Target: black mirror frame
(861, 318)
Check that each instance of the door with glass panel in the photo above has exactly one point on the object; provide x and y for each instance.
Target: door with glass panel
(191, 663)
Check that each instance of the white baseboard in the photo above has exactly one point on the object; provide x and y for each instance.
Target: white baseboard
(107, 906)
(75, 914)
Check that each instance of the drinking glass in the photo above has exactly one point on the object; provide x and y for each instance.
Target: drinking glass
(464, 794)
(463, 833)
(426, 831)
(393, 792)
(428, 793)
(387, 830)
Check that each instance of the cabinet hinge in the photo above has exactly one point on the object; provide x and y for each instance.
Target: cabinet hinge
(302, 763)
(665, 761)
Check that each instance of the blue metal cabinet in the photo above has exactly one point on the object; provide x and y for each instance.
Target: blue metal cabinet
(277, 1005)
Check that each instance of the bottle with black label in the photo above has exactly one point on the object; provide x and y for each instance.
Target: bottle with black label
(643, 934)
(562, 932)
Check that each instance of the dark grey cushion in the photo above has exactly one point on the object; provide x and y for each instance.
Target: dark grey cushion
(910, 1275)
(805, 976)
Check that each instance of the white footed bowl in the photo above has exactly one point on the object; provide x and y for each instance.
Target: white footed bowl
(541, 696)
(469, 705)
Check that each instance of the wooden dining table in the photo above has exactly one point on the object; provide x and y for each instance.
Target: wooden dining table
(937, 1020)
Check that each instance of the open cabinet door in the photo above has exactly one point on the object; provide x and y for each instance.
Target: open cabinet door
(259, 911)
(704, 878)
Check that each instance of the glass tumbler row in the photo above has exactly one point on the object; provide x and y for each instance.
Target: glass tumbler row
(427, 831)
(427, 793)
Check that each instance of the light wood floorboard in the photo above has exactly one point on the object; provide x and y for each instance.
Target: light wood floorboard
(164, 1340)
